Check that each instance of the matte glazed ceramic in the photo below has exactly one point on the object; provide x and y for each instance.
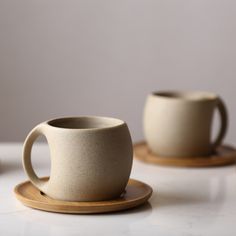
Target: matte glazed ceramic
(179, 123)
(91, 158)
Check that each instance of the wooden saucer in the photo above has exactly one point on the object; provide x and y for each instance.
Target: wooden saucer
(136, 194)
(224, 155)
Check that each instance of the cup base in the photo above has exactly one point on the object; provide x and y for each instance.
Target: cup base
(223, 155)
(136, 194)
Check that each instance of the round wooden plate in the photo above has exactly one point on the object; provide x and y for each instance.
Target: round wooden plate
(136, 194)
(224, 155)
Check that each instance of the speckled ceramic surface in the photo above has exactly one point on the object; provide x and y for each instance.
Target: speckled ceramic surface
(91, 158)
(179, 123)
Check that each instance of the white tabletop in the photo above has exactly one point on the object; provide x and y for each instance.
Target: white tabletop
(185, 202)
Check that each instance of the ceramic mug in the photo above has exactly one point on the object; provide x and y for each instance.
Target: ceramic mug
(91, 158)
(179, 123)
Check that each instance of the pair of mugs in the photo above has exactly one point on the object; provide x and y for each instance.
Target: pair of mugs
(91, 157)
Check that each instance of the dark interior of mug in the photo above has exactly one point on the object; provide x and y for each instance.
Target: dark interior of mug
(85, 122)
(195, 95)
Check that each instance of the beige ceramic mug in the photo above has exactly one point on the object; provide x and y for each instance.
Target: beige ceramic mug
(179, 123)
(91, 158)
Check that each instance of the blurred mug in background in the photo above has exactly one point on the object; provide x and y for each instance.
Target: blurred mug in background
(179, 124)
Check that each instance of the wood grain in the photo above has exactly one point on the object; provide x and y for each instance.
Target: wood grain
(137, 193)
(224, 155)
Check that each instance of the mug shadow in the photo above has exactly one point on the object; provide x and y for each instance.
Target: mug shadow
(176, 199)
(9, 166)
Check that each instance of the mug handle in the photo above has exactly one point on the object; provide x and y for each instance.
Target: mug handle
(40, 129)
(224, 123)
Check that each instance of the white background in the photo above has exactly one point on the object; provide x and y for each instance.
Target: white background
(102, 57)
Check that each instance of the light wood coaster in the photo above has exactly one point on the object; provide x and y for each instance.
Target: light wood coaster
(137, 193)
(224, 155)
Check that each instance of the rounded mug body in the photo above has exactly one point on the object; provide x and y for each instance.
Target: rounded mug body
(91, 158)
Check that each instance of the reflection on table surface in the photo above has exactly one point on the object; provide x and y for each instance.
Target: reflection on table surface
(186, 201)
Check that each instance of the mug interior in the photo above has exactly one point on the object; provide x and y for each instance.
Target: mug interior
(89, 122)
(191, 95)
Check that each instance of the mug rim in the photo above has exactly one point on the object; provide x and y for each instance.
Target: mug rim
(185, 95)
(116, 122)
